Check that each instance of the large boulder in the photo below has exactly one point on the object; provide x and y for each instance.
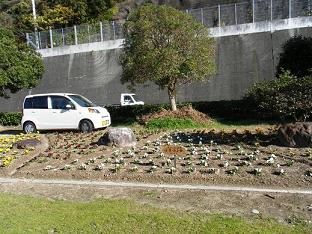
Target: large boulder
(121, 137)
(296, 134)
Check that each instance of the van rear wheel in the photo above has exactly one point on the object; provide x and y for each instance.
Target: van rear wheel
(29, 127)
(86, 126)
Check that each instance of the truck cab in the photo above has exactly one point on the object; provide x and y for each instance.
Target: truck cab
(127, 99)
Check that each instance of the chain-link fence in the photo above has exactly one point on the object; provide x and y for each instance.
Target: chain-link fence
(217, 16)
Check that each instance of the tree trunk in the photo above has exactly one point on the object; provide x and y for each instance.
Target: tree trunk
(172, 98)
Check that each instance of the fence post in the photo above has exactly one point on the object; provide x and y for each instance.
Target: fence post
(235, 9)
(289, 9)
(271, 8)
(89, 34)
(219, 15)
(51, 38)
(40, 42)
(76, 37)
(253, 11)
(27, 39)
(202, 15)
(63, 37)
(101, 31)
(114, 31)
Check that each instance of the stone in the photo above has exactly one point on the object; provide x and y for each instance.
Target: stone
(297, 134)
(255, 211)
(121, 137)
(23, 144)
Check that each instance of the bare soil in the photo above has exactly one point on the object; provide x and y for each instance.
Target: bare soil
(186, 112)
(213, 157)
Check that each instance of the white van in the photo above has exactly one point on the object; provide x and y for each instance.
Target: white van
(62, 111)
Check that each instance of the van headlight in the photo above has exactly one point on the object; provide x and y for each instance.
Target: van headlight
(91, 110)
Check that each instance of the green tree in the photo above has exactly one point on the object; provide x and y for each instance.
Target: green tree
(296, 57)
(168, 47)
(20, 65)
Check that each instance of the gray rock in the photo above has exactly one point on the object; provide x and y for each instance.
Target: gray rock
(121, 137)
(23, 144)
(297, 134)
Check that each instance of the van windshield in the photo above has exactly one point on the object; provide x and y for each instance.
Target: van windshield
(81, 101)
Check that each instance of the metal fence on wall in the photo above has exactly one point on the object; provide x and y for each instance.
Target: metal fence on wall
(217, 16)
(80, 34)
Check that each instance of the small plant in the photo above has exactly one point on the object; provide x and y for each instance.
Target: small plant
(171, 170)
(82, 166)
(279, 171)
(66, 167)
(256, 171)
(99, 167)
(152, 169)
(289, 163)
(213, 171)
(233, 171)
(47, 168)
(134, 169)
(190, 170)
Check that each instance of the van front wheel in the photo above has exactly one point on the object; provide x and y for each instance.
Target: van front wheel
(86, 126)
(29, 127)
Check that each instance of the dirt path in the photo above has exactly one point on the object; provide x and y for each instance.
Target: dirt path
(152, 186)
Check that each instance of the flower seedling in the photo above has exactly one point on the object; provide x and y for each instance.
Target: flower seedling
(171, 170)
(279, 171)
(82, 167)
(233, 171)
(152, 169)
(256, 171)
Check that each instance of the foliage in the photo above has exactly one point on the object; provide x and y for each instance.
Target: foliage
(284, 98)
(172, 123)
(10, 118)
(37, 215)
(20, 65)
(166, 46)
(54, 13)
(296, 57)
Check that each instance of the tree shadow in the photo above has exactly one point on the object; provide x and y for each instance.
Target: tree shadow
(228, 138)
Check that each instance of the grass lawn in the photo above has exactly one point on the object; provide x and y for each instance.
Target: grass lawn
(23, 214)
(173, 123)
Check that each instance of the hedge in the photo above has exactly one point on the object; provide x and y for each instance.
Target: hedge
(10, 118)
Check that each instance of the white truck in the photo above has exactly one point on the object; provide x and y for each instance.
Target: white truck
(127, 99)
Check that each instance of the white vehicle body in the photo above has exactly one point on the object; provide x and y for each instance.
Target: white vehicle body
(62, 111)
(127, 99)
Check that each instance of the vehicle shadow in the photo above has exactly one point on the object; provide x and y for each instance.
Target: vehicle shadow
(11, 132)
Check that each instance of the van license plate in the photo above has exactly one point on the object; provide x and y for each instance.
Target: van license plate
(105, 122)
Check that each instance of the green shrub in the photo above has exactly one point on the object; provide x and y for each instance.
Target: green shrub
(286, 98)
(172, 123)
(10, 118)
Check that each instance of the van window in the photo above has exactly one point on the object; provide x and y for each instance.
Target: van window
(28, 103)
(40, 102)
(59, 102)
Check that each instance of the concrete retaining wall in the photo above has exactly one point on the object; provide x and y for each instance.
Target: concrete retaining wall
(242, 60)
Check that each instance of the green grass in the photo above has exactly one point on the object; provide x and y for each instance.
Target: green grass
(172, 123)
(175, 123)
(23, 214)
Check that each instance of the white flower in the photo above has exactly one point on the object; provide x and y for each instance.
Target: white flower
(82, 167)
(270, 161)
(225, 164)
(48, 168)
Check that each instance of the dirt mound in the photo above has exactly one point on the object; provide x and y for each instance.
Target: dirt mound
(186, 112)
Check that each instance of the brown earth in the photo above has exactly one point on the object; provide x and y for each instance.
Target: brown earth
(186, 112)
